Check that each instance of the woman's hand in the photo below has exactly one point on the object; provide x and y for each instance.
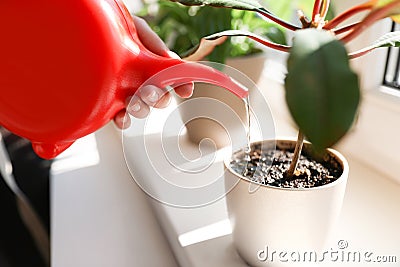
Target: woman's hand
(149, 96)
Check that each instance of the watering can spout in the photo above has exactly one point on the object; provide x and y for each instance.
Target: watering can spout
(176, 72)
(189, 72)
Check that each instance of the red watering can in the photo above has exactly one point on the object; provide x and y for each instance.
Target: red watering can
(67, 67)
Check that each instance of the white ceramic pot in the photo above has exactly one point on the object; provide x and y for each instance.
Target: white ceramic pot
(218, 127)
(273, 220)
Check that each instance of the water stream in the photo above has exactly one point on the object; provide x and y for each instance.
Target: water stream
(247, 148)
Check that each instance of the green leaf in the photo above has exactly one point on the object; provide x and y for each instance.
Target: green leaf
(276, 35)
(237, 4)
(391, 39)
(322, 92)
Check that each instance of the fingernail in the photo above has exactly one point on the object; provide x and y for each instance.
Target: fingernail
(173, 55)
(152, 97)
(135, 107)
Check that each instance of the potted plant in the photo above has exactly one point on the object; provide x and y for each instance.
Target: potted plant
(182, 27)
(296, 203)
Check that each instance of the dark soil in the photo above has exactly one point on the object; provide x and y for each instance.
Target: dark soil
(270, 167)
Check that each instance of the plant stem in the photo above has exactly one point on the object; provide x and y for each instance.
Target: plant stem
(345, 28)
(279, 47)
(316, 10)
(359, 54)
(261, 40)
(277, 20)
(325, 8)
(304, 21)
(296, 154)
(372, 17)
(347, 14)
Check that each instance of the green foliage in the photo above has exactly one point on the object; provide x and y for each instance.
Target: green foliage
(322, 92)
(182, 27)
(286, 10)
(237, 4)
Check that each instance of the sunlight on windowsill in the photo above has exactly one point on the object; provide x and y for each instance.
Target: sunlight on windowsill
(211, 231)
(83, 153)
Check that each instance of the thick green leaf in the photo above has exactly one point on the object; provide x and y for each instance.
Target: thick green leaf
(322, 92)
(387, 40)
(237, 4)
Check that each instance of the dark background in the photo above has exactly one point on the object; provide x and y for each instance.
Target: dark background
(17, 247)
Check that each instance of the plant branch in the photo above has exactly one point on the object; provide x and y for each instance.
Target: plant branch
(316, 10)
(360, 53)
(279, 47)
(285, 24)
(304, 21)
(345, 28)
(259, 39)
(325, 8)
(372, 17)
(347, 14)
(296, 155)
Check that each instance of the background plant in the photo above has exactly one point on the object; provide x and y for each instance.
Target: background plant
(182, 27)
(322, 92)
(287, 9)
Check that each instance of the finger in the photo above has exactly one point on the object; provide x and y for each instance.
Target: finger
(205, 48)
(137, 108)
(154, 96)
(121, 120)
(149, 38)
(185, 90)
